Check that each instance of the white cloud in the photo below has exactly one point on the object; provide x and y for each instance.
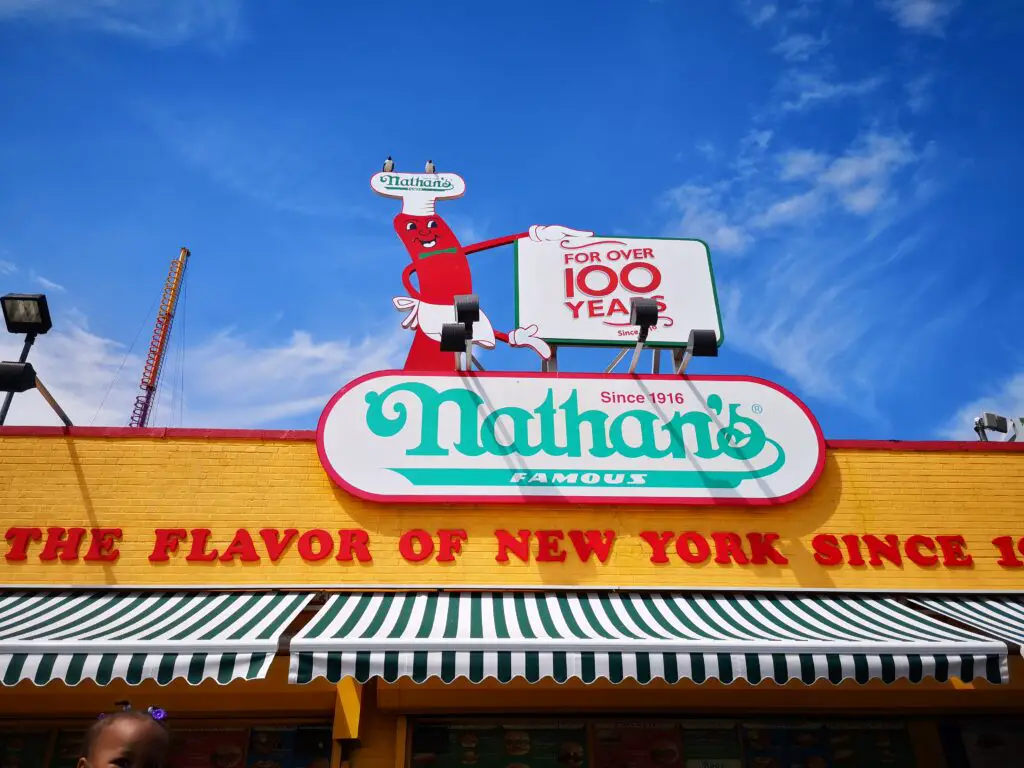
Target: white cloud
(729, 214)
(234, 382)
(48, 284)
(759, 14)
(281, 161)
(801, 163)
(919, 96)
(804, 9)
(1006, 399)
(924, 16)
(860, 178)
(701, 214)
(7, 267)
(800, 47)
(155, 22)
(810, 283)
(810, 89)
(229, 380)
(707, 149)
(792, 208)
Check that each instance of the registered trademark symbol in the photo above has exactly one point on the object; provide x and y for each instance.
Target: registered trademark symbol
(756, 409)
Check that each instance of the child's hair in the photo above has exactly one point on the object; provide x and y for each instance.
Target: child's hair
(155, 716)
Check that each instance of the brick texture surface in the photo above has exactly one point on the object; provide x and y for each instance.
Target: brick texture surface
(225, 483)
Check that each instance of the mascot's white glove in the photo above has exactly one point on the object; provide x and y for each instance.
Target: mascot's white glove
(541, 233)
(527, 337)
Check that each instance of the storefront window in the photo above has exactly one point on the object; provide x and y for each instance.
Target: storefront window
(690, 743)
(493, 745)
(260, 747)
(24, 749)
(992, 742)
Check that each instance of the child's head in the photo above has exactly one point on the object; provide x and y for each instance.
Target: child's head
(128, 739)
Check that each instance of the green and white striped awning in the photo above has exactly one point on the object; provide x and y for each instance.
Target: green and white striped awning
(136, 636)
(1001, 617)
(645, 636)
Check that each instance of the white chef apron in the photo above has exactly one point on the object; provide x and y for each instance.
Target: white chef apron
(430, 317)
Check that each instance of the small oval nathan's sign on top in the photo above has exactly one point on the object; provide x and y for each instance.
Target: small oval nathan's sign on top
(513, 437)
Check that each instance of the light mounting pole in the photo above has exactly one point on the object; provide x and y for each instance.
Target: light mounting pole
(26, 313)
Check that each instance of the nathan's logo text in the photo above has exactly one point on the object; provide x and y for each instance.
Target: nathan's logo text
(569, 438)
(394, 181)
(561, 428)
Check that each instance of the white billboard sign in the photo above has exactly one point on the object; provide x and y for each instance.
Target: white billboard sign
(578, 290)
(441, 437)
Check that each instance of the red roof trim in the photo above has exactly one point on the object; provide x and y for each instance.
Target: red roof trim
(922, 445)
(309, 436)
(298, 435)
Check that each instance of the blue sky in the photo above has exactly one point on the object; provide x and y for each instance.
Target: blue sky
(855, 166)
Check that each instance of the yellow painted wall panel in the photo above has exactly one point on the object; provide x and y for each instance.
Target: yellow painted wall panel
(139, 484)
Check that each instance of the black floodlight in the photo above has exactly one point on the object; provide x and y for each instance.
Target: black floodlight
(26, 313)
(17, 377)
(643, 313)
(701, 343)
(455, 338)
(467, 310)
(993, 422)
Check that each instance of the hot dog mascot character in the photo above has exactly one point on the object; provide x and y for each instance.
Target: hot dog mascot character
(441, 268)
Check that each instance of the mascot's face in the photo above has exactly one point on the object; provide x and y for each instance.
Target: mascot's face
(425, 235)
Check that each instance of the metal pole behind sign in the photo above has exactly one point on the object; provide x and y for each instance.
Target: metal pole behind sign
(53, 403)
(617, 360)
(551, 364)
(29, 341)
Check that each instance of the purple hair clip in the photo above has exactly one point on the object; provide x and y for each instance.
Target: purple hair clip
(157, 713)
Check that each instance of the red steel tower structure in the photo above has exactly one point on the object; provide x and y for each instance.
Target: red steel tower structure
(158, 345)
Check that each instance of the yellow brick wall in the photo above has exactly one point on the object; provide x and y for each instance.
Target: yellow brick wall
(139, 484)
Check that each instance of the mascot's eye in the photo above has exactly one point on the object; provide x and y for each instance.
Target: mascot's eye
(411, 226)
(431, 224)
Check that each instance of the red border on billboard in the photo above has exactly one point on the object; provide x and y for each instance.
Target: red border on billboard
(559, 499)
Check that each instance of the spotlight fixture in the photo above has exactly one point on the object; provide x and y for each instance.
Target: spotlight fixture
(643, 313)
(701, 343)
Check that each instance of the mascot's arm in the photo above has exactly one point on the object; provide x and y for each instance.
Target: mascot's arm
(407, 274)
(495, 243)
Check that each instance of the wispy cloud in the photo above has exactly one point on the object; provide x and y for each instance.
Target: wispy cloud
(800, 46)
(759, 13)
(803, 9)
(7, 267)
(228, 380)
(809, 281)
(803, 90)
(277, 161)
(701, 213)
(923, 16)
(707, 150)
(49, 285)
(154, 22)
(919, 96)
(730, 211)
(1006, 399)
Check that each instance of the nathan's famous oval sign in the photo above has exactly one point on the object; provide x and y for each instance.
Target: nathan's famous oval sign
(513, 437)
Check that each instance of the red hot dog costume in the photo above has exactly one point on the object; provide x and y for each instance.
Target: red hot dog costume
(442, 269)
